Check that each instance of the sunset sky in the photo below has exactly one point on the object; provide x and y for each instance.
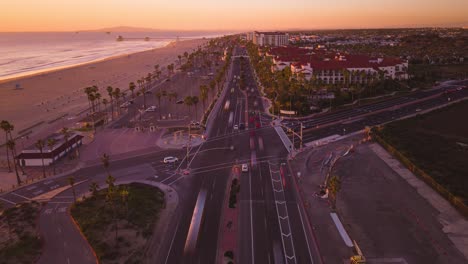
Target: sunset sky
(64, 15)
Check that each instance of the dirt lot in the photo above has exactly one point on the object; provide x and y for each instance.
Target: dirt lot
(438, 143)
(387, 216)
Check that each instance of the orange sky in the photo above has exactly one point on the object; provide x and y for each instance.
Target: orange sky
(71, 15)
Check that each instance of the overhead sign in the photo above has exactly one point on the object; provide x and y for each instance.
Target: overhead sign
(286, 112)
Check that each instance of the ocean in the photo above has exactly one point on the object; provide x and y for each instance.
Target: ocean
(27, 53)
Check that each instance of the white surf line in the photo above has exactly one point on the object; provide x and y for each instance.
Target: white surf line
(343, 233)
(305, 235)
(283, 218)
(8, 201)
(19, 195)
(251, 217)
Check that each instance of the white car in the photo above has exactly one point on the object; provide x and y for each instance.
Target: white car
(245, 167)
(151, 109)
(236, 127)
(170, 159)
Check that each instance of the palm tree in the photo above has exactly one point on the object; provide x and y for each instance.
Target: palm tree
(11, 145)
(110, 199)
(98, 98)
(93, 188)
(110, 92)
(212, 88)
(186, 55)
(40, 146)
(66, 134)
(105, 102)
(170, 96)
(180, 59)
(195, 102)
(71, 181)
(105, 162)
(203, 95)
(124, 195)
(188, 102)
(7, 127)
(131, 87)
(117, 94)
(143, 92)
(51, 142)
(158, 96)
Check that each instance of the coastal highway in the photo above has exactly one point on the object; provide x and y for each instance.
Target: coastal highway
(347, 121)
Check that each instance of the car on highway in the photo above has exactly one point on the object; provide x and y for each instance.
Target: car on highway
(245, 167)
(180, 102)
(236, 127)
(125, 105)
(170, 159)
(151, 108)
(241, 126)
(418, 110)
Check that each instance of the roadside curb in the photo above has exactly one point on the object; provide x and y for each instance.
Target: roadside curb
(219, 248)
(307, 218)
(81, 233)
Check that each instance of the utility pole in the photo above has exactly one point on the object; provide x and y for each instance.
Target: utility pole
(301, 134)
(188, 146)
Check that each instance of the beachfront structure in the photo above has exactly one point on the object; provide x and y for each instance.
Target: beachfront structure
(337, 68)
(272, 39)
(32, 156)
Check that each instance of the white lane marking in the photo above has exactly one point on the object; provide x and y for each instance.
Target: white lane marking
(172, 242)
(31, 187)
(48, 211)
(181, 177)
(343, 233)
(38, 192)
(305, 235)
(8, 201)
(19, 195)
(251, 217)
(62, 209)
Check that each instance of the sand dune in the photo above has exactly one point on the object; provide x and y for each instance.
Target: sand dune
(46, 96)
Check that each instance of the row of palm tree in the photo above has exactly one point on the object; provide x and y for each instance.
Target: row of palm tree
(10, 147)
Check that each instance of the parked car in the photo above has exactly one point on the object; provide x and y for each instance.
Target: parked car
(151, 109)
(180, 102)
(125, 105)
(236, 127)
(245, 167)
(241, 126)
(170, 159)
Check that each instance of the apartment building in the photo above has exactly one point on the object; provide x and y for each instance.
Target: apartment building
(272, 39)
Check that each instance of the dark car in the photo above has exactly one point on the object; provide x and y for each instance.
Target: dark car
(241, 126)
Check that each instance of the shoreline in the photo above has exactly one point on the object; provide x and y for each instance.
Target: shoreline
(59, 68)
(48, 95)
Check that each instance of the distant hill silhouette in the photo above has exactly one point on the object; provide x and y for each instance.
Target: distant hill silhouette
(124, 29)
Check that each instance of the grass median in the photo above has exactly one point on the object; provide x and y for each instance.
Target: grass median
(19, 238)
(118, 226)
(437, 143)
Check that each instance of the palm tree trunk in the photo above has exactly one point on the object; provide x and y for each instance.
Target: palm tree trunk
(43, 166)
(7, 152)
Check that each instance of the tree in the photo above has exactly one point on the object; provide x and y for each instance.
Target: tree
(51, 142)
(105, 162)
(71, 181)
(93, 188)
(105, 102)
(204, 95)
(110, 92)
(195, 102)
(131, 87)
(117, 94)
(334, 186)
(188, 102)
(158, 96)
(40, 146)
(66, 134)
(180, 59)
(124, 195)
(186, 55)
(110, 199)
(7, 127)
(11, 145)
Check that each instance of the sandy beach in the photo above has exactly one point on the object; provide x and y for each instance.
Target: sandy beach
(47, 96)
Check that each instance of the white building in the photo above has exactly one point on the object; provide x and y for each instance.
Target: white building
(33, 157)
(272, 39)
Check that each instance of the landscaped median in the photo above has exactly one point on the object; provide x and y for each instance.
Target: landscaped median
(227, 244)
(19, 237)
(119, 221)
